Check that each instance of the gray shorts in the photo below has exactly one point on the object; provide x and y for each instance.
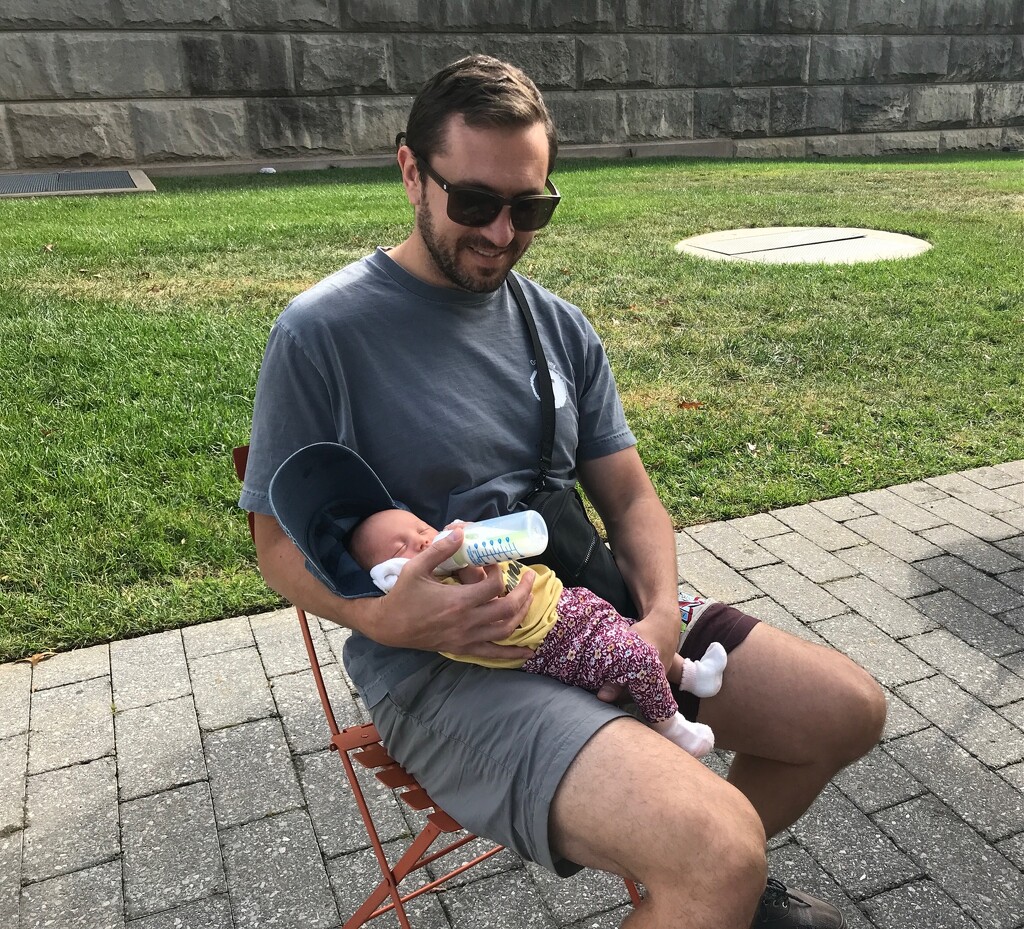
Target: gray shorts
(491, 747)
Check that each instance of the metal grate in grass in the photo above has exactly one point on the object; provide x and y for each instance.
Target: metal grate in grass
(52, 183)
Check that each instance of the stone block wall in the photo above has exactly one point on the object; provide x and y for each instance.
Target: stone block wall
(232, 82)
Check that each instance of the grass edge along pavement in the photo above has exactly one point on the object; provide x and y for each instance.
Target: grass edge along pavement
(133, 328)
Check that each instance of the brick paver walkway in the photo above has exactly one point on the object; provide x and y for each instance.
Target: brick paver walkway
(207, 800)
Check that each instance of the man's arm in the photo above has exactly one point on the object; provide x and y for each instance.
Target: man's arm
(419, 612)
(642, 538)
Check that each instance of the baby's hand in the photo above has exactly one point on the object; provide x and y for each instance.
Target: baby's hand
(471, 574)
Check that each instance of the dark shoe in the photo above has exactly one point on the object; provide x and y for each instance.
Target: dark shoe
(782, 908)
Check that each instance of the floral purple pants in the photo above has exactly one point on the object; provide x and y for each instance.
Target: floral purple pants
(592, 645)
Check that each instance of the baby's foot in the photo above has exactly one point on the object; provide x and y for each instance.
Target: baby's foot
(704, 678)
(695, 738)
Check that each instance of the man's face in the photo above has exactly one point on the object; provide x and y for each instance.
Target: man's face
(508, 162)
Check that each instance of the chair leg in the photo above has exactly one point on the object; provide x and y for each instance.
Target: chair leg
(393, 876)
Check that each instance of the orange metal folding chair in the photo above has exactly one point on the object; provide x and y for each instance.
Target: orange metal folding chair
(363, 744)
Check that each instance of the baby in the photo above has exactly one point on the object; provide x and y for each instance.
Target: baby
(578, 638)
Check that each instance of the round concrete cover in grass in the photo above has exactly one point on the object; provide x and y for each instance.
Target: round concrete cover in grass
(802, 245)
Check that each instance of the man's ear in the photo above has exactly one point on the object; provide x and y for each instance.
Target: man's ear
(410, 174)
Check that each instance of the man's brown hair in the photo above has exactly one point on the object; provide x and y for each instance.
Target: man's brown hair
(486, 92)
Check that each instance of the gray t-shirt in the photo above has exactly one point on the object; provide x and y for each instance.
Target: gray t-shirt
(434, 388)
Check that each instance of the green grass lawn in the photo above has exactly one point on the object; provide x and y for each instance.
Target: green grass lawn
(131, 331)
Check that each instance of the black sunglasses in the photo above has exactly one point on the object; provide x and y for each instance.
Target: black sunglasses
(472, 206)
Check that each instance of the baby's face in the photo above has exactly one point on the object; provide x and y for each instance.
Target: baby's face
(389, 534)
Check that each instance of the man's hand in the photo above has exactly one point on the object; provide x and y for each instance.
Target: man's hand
(662, 631)
(422, 612)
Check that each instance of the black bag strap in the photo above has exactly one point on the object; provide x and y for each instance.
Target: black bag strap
(547, 394)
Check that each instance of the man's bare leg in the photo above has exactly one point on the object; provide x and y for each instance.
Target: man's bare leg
(635, 804)
(795, 714)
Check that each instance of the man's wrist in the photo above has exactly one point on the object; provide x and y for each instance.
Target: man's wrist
(663, 631)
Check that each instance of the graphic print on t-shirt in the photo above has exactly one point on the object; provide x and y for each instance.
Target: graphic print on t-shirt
(557, 386)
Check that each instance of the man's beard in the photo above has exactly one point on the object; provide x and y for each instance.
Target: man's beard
(446, 256)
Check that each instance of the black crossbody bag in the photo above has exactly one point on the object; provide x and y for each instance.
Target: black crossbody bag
(576, 552)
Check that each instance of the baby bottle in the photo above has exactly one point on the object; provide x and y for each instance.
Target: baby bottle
(503, 538)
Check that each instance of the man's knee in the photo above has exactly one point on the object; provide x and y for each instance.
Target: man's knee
(737, 832)
(868, 708)
(719, 855)
(634, 803)
(715, 871)
(742, 865)
(847, 716)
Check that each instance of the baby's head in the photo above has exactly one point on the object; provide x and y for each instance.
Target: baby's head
(389, 534)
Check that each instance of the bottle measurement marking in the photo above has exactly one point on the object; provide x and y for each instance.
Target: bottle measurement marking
(492, 549)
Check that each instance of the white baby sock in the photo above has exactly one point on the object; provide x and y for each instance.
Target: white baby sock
(704, 678)
(695, 738)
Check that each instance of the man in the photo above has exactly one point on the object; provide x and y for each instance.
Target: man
(417, 358)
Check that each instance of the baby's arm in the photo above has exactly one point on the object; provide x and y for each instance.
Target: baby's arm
(385, 574)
